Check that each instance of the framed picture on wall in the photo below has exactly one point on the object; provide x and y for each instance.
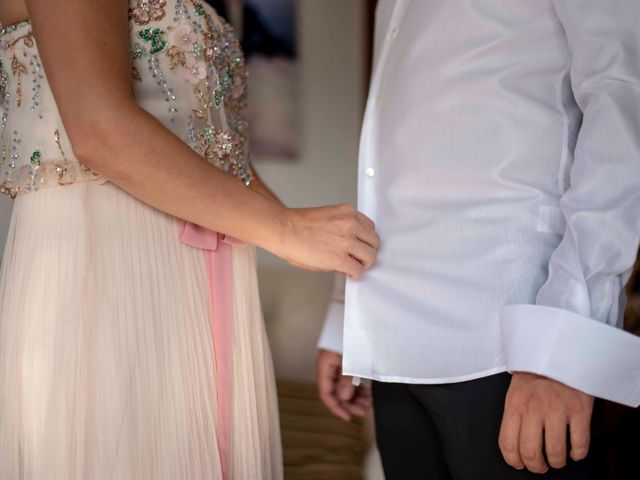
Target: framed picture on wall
(268, 32)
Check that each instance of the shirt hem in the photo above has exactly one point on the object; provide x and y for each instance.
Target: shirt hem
(428, 381)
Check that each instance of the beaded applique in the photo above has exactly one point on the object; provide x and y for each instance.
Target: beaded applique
(187, 68)
(17, 67)
(26, 163)
(147, 11)
(209, 58)
(156, 37)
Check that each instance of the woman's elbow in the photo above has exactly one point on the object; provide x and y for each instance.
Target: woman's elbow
(95, 140)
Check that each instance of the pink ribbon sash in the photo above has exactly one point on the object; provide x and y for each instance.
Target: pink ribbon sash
(218, 259)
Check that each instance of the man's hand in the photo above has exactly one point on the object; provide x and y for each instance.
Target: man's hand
(537, 413)
(337, 391)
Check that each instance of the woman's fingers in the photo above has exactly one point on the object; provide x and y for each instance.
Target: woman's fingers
(365, 221)
(363, 252)
(368, 236)
(367, 230)
(351, 267)
(361, 242)
(337, 238)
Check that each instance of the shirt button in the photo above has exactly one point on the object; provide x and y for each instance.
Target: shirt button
(378, 101)
(370, 172)
(394, 32)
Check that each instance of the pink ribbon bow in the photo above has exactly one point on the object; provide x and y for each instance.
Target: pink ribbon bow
(217, 250)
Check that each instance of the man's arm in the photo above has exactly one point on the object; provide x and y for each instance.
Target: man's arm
(587, 272)
(567, 335)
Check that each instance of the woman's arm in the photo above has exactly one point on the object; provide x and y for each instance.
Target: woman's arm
(12, 11)
(259, 186)
(84, 45)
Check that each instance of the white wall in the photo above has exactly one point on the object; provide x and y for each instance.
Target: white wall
(332, 36)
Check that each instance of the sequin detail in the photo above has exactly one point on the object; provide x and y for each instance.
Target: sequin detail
(147, 11)
(4, 80)
(138, 51)
(187, 69)
(228, 146)
(13, 45)
(36, 158)
(155, 36)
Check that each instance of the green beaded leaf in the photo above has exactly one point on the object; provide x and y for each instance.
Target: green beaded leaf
(218, 98)
(36, 158)
(156, 36)
(226, 81)
(4, 81)
(199, 10)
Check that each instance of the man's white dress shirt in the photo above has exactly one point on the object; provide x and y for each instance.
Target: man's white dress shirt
(500, 160)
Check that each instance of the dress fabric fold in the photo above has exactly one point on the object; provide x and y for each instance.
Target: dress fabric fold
(110, 366)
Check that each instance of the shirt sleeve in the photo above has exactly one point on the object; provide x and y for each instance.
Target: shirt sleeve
(331, 336)
(568, 335)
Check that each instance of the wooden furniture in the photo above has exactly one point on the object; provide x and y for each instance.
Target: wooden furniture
(317, 446)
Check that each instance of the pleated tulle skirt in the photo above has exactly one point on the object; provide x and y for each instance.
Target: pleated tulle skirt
(107, 361)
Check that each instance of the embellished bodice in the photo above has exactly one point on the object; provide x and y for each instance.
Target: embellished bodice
(187, 71)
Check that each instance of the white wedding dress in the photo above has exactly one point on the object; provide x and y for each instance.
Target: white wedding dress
(112, 355)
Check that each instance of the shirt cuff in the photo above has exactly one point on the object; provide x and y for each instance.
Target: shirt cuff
(583, 353)
(331, 336)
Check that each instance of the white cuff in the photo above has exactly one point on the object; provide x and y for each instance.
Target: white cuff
(583, 353)
(331, 336)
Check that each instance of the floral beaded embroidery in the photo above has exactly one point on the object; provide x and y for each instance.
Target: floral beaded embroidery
(138, 51)
(36, 158)
(205, 54)
(7, 189)
(147, 11)
(194, 70)
(182, 37)
(176, 57)
(18, 69)
(228, 147)
(24, 166)
(155, 36)
(3, 158)
(61, 168)
(4, 81)
(193, 58)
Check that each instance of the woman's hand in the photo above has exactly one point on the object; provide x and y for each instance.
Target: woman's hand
(335, 238)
